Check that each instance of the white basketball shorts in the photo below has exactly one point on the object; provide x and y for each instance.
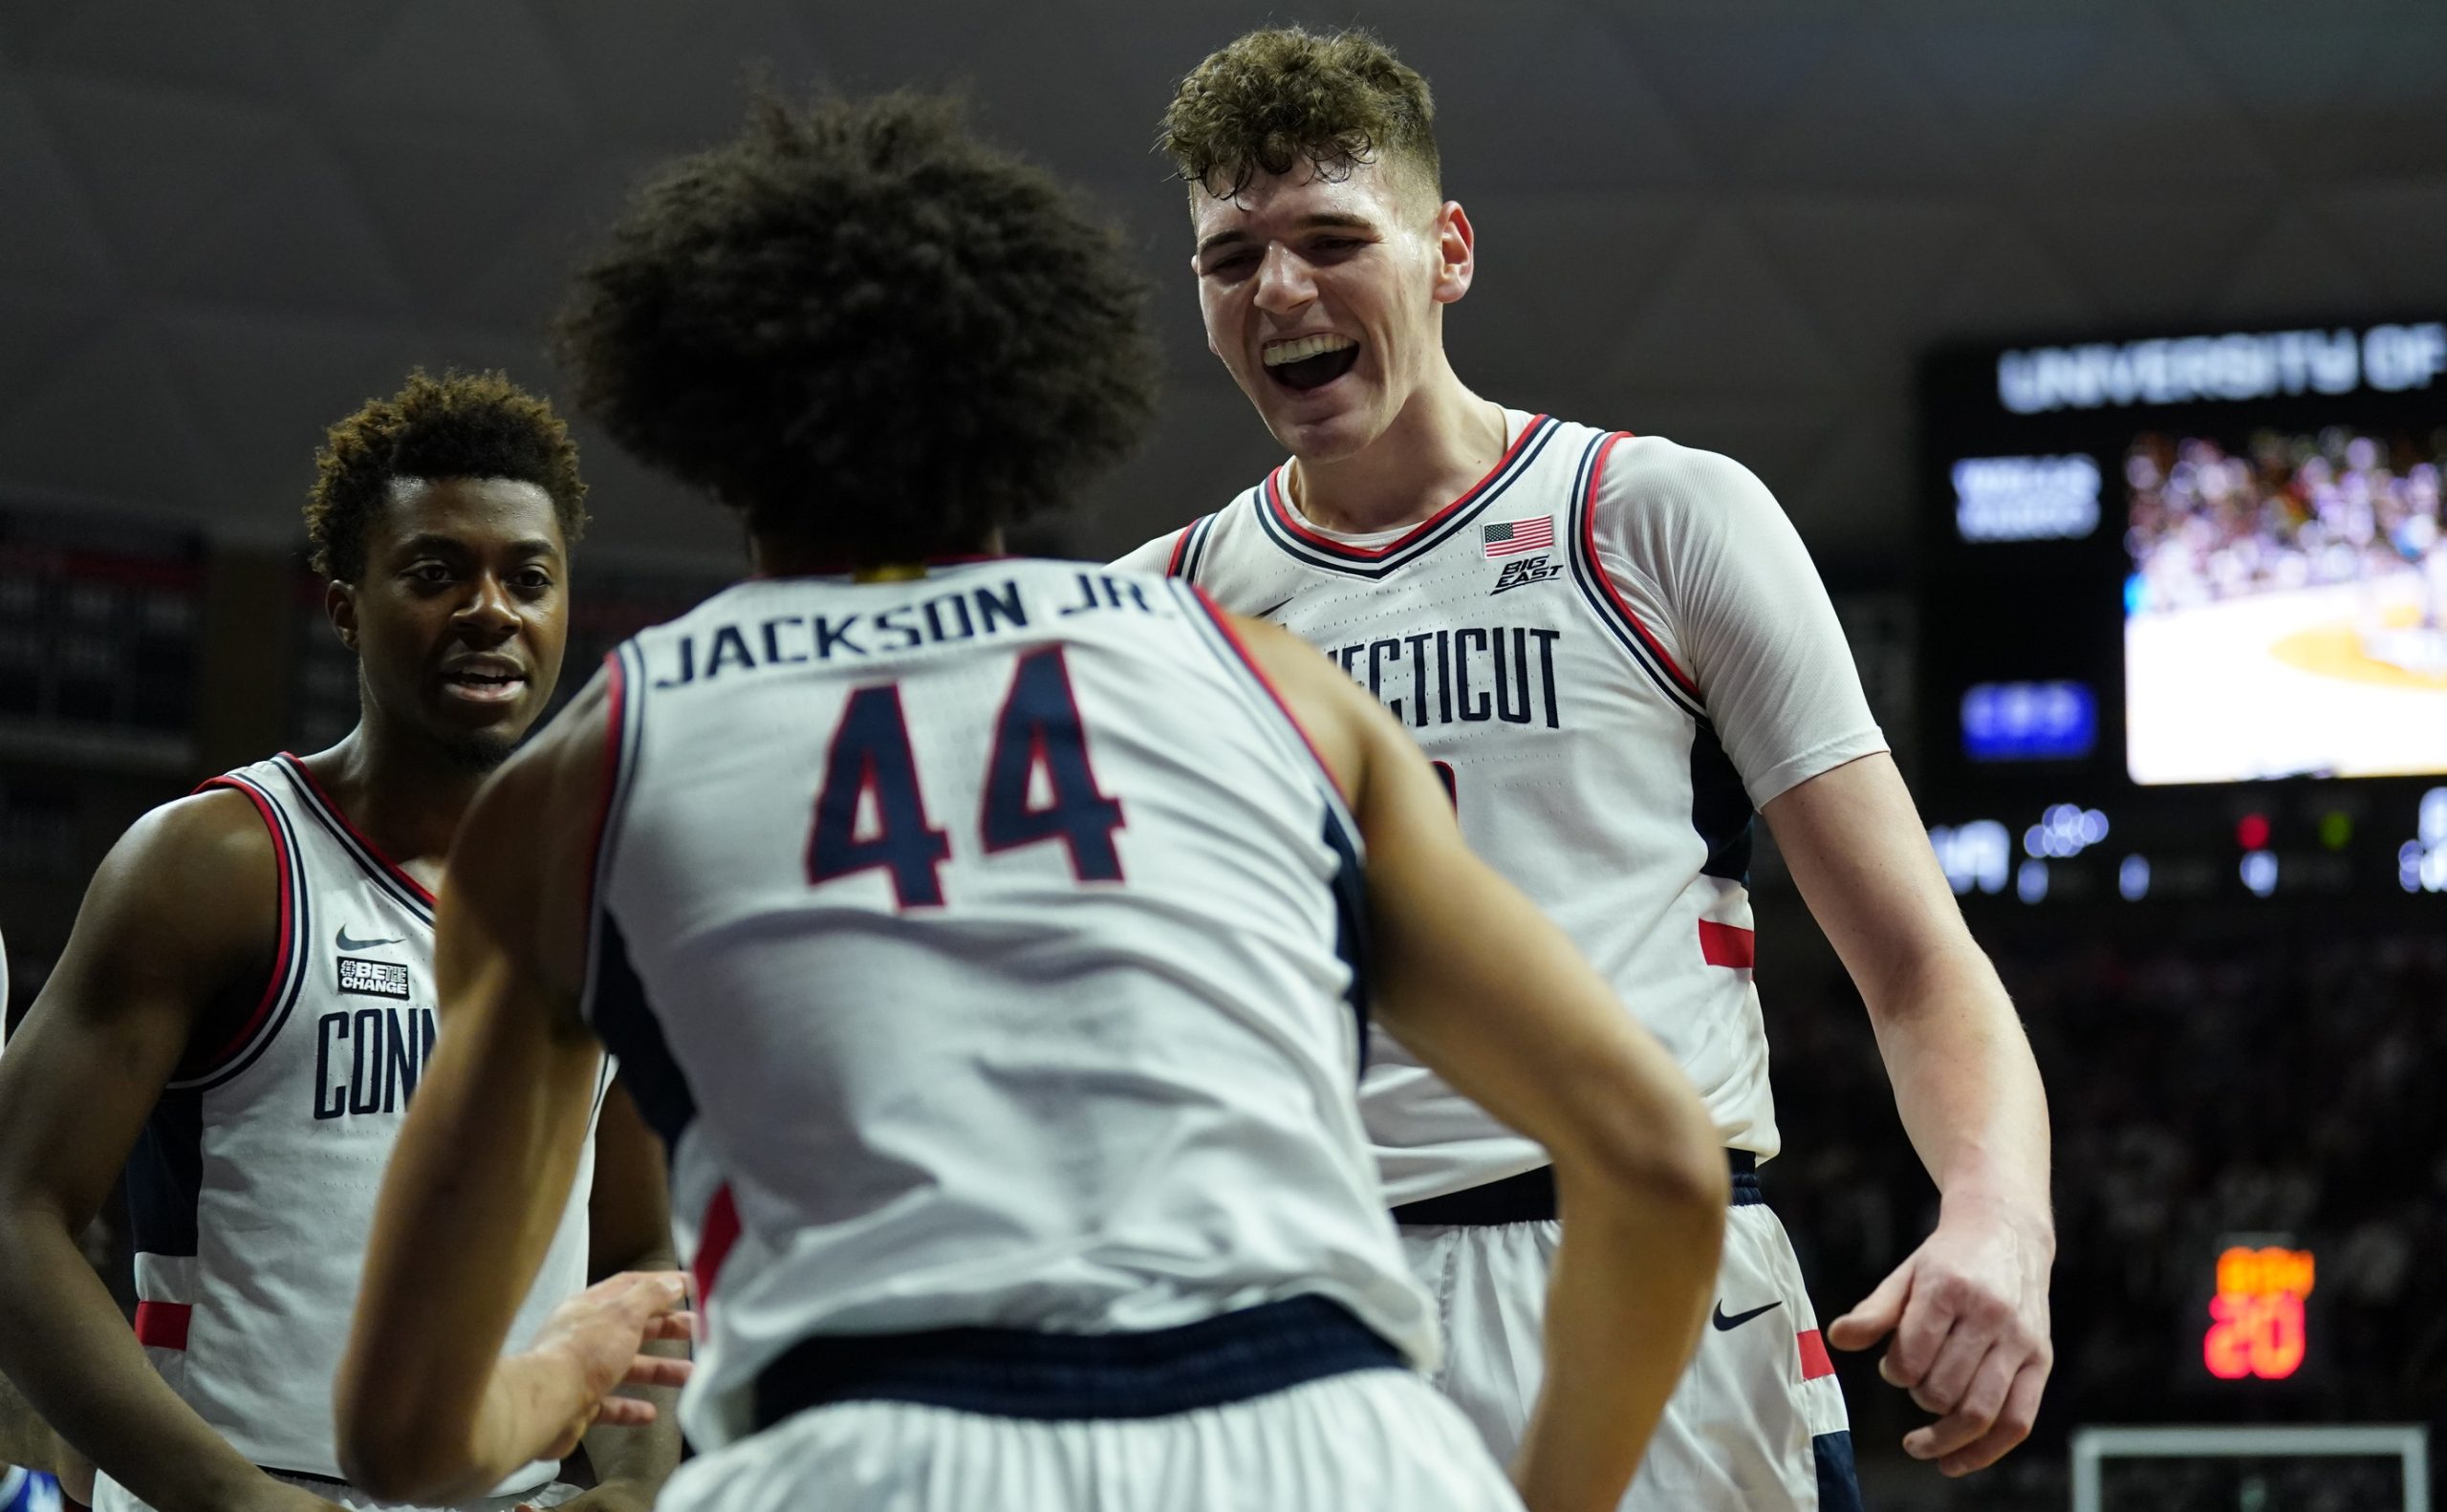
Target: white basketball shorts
(1380, 1439)
(109, 1496)
(1757, 1424)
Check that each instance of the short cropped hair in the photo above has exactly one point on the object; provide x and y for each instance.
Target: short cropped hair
(1285, 96)
(873, 333)
(458, 426)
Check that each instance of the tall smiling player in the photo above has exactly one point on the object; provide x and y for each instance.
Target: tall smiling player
(1614, 647)
(247, 1001)
(987, 939)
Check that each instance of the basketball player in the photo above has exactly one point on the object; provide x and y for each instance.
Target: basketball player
(1614, 647)
(247, 1001)
(980, 938)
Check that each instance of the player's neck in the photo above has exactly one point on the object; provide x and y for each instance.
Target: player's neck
(400, 792)
(1442, 444)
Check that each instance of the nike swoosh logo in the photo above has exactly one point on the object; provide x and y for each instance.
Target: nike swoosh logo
(1724, 1323)
(346, 944)
(1269, 612)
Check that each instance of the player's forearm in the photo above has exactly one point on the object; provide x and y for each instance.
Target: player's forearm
(1629, 1295)
(25, 1438)
(70, 1353)
(1965, 1084)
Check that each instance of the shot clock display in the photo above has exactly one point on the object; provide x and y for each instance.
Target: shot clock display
(2178, 578)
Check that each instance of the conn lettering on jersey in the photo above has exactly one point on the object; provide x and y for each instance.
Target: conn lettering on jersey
(1470, 676)
(939, 619)
(367, 1060)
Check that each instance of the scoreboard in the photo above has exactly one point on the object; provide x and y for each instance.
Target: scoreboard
(2183, 613)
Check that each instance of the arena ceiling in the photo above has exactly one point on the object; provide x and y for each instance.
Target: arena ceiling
(223, 224)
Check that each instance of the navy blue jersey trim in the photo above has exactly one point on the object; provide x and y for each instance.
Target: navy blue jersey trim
(1350, 887)
(289, 973)
(624, 1018)
(1078, 1378)
(337, 826)
(165, 1176)
(1358, 562)
(614, 1002)
(1839, 1486)
(1585, 572)
(1720, 809)
(1189, 554)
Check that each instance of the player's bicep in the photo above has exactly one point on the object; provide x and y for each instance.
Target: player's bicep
(1757, 632)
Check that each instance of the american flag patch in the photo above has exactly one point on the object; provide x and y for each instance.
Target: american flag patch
(1514, 537)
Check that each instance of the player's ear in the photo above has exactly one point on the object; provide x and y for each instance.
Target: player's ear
(340, 607)
(1455, 253)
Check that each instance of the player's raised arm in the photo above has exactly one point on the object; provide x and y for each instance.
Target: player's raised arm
(428, 1407)
(1494, 998)
(172, 931)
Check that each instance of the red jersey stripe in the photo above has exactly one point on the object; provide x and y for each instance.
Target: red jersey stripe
(1727, 945)
(1814, 1359)
(1589, 543)
(715, 1237)
(284, 867)
(1275, 496)
(162, 1325)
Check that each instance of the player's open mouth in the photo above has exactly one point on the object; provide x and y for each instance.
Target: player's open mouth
(481, 682)
(1310, 363)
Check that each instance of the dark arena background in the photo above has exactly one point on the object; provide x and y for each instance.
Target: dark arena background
(2098, 348)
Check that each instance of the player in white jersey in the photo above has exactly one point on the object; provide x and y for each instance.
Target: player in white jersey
(987, 940)
(247, 1001)
(1615, 647)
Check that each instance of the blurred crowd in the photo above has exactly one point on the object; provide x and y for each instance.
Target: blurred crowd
(2292, 511)
(2284, 1087)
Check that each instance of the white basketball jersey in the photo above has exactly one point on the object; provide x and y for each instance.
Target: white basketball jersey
(981, 946)
(1531, 660)
(253, 1185)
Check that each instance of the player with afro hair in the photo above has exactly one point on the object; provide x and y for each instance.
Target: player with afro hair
(877, 337)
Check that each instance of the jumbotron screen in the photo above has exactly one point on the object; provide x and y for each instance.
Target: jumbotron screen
(2182, 604)
(2187, 558)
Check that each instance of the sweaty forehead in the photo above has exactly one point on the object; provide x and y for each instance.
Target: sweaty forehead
(480, 513)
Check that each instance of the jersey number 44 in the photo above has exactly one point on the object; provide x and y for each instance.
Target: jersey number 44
(1039, 788)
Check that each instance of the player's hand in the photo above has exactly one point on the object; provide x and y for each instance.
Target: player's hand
(1968, 1310)
(589, 1346)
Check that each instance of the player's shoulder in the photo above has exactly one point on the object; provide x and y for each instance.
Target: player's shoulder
(1658, 472)
(1655, 493)
(214, 836)
(198, 877)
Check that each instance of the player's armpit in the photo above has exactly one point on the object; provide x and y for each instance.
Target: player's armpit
(171, 947)
(1492, 996)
